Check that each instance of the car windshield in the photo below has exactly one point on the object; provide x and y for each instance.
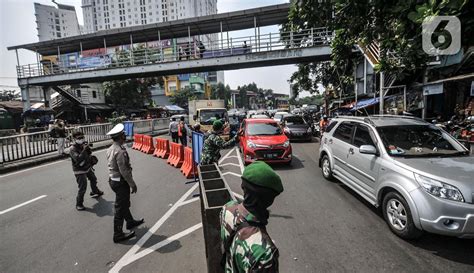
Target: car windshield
(418, 141)
(279, 116)
(209, 116)
(263, 129)
(294, 120)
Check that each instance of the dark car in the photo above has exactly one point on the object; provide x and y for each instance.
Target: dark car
(296, 128)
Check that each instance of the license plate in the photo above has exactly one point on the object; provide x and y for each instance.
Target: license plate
(270, 156)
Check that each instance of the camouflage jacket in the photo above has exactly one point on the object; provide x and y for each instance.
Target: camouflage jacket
(252, 249)
(211, 151)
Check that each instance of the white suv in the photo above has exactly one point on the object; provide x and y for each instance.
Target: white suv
(421, 176)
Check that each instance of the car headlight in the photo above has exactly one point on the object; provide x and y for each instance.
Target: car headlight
(439, 189)
(286, 144)
(251, 145)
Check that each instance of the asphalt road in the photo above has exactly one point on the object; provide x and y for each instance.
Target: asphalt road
(319, 226)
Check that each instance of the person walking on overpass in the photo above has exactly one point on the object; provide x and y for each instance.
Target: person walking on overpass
(173, 130)
(121, 181)
(246, 243)
(211, 151)
(183, 131)
(82, 165)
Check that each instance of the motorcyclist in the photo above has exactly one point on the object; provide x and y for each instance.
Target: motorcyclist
(323, 123)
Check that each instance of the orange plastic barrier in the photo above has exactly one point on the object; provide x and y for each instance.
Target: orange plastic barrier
(147, 146)
(137, 142)
(162, 148)
(188, 168)
(176, 155)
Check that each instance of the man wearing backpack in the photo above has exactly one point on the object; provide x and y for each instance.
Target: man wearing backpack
(247, 245)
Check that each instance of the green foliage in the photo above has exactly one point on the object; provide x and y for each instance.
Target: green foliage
(182, 96)
(396, 25)
(221, 92)
(129, 94)
(262, 95)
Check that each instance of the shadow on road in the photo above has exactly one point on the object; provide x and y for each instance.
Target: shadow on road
(281, 216)
(450, 248)
(296, 163)
(102, 208)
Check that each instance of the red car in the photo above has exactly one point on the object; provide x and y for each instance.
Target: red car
(263, 139)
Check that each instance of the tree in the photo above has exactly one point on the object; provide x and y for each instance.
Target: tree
(182, 97)
(129, 94)
(221, 92)
(395, 25)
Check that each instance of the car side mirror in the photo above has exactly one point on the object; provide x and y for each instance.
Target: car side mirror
(368, 149)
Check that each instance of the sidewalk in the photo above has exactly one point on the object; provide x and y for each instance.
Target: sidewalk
(53, 156)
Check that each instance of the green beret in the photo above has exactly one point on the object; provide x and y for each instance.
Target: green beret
(261, 174)
(217, 125)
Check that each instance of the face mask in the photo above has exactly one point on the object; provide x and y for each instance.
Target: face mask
(80, 141)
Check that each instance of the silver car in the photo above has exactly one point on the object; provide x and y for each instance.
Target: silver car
(421, 177)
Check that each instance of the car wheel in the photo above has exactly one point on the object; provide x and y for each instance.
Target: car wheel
(397, 214)
(326, 168)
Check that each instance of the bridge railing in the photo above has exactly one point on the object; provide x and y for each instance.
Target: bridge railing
(23, 146)
(186, 50)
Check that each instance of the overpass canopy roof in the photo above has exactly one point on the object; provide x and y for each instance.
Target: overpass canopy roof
(236, 20)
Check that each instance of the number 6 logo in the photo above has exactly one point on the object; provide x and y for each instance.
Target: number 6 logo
(441, 35)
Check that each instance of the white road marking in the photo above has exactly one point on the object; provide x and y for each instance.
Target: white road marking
(240, 161)
(43, 165)
(189, 201)
(231, 173)
(238, 195)
(129, 256)
(229, 164)
(233, 156)
(226, 155)
(165, 242)
(22, 204)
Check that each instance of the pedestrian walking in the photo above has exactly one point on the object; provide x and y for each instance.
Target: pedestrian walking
(121, 181)
(211, 151)
(173, 130)
(202, 49)
(60, 133)
(183, 131)
(247, 247)
(82, 165)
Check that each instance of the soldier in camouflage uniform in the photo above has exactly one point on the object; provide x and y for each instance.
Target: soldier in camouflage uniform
(247, 245)
(211, 152)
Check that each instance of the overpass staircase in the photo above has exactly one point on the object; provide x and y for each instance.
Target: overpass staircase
(66, 100)
(372, 53)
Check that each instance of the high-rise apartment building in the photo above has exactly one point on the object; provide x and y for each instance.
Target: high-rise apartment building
(109, 14)
(56, 22)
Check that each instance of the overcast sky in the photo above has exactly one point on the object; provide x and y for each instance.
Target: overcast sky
(17, 26)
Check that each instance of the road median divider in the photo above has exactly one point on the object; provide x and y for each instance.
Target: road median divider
(176, 157)
(188, 168)
(137, 141)
(162, 148)
(147, 144)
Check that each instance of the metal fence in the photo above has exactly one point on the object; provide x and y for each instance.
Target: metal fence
(190, 50)
(23, 146)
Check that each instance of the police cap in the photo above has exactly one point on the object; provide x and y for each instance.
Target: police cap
(261, 174)
(118, 129)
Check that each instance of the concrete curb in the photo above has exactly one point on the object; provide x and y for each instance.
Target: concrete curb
(50, 157)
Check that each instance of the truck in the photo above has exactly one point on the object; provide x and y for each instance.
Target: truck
(205, 112)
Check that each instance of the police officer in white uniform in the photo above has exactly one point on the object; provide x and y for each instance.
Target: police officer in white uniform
(121, 182)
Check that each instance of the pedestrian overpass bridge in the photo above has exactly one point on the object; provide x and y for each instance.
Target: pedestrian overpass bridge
(183, 46)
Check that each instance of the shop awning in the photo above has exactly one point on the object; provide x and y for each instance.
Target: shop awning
(173, 108)
(368, 102)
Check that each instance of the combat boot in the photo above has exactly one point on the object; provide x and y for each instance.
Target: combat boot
(120, 236)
